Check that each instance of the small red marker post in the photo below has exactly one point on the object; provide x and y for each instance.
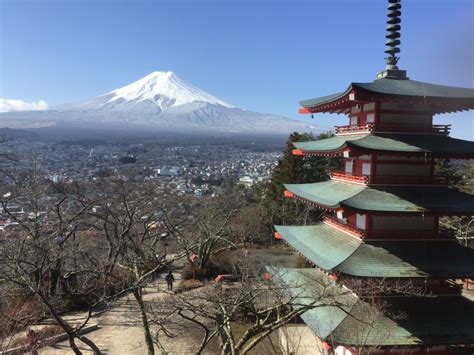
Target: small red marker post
(193, 258)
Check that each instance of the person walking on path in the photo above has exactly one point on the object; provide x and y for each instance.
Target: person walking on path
(169, 280)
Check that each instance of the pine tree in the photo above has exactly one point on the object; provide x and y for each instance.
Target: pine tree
(297, 170)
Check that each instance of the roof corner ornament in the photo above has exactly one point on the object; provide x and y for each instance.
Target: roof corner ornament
(393, 41)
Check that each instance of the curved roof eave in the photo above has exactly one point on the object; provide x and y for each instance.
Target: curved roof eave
(333, 250)
(436, 145)
(404, 89)
(347, 320)
(325, 99)
(414, 199)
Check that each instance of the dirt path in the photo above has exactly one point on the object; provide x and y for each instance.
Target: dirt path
(120, 330)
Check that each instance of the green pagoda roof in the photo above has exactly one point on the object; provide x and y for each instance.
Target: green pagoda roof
(403, 321)
(334, 250)
(437, 145)
(408, 199)
(455, 98)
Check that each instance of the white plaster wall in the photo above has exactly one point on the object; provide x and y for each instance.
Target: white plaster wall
(370, 106)
(298, 339)
(399, 169)
(402, 223)
(340, 350)
(404, 107)
(393, 118)
(391, 157)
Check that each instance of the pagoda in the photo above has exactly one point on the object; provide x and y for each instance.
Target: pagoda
(382, 215)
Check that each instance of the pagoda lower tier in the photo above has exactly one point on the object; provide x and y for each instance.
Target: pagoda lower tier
(340, 318)
(337, 252)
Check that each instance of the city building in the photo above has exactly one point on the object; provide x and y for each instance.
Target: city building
(381, 222)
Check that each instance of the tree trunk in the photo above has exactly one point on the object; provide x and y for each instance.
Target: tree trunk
(73, 345)
(70, 333)
(137, 293)
(90, 343)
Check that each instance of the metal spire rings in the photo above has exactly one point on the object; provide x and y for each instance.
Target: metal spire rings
(393, 34)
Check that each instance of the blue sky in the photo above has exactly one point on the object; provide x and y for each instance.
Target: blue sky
(262, 55)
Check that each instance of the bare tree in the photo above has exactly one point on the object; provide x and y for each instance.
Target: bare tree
(255, 302)
(40, 257)
(133, 219)
(212, 222)
(245, 313)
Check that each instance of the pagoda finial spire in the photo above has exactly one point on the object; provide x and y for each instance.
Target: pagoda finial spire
(393, 41)
(393, 34)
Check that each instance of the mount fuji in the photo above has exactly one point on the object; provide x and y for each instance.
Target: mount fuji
(160, 101)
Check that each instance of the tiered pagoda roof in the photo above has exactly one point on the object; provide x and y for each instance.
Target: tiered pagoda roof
(399, 321)
(333, 195)
(389, 150)
(334, 250)
(441, 98)
(390, 144)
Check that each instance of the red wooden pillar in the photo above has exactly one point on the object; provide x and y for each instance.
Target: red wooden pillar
(373, 168)
(368, 224)
(377, 115)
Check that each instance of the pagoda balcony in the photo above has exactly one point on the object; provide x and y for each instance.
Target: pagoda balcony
(341, 175)
(388, 179)
(407, 180)
(391, 234)
(394, 128)
(334, 222)
(413, 128)
(354, 129)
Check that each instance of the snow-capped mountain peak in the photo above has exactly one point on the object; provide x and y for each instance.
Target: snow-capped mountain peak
(165, 89)
(161, 101)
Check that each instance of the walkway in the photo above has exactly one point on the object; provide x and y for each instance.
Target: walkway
(120, 331)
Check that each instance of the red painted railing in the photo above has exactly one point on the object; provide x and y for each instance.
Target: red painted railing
(411, 234)
(389, 179)
(407, 180)
(395, 127)
(348, 228)
(354, 128)
(413, 128)
(341, 175)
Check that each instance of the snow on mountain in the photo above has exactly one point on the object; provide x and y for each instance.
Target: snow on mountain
(166, 89)
(150, 95)
(161, 101)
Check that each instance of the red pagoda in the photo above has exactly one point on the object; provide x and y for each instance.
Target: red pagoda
(382, 212)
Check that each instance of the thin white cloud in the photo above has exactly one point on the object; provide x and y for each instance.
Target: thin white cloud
(7, 105)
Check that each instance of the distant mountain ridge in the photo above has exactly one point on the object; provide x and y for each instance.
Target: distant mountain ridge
(160, 101)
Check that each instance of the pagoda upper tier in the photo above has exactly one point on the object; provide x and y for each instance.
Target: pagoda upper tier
(434, 99)
(437, 146)
(335, 195)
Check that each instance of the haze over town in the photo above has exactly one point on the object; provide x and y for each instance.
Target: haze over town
(288, 177)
